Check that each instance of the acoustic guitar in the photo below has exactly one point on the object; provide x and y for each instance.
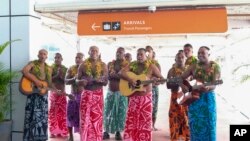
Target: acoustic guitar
(127, 89)
(27, 87)
(193, 94)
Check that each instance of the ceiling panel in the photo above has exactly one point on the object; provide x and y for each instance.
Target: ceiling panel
(238, 19)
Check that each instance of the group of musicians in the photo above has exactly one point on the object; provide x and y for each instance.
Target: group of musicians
(130, 117)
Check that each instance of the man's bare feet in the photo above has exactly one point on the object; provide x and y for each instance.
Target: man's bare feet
(154, 129)
(52, 136)
(70, 138)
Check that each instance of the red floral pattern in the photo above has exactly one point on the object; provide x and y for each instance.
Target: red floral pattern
(139, 119)
(91, 115)
(57, 115)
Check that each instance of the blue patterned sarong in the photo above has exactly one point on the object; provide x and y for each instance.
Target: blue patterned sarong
(202, 118)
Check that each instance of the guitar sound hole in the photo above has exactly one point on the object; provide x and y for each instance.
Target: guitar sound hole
(138, 83)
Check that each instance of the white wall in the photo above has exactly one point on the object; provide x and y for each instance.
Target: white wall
(26, 25)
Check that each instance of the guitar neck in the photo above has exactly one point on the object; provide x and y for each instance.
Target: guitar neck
(208, 84)
(152, 81)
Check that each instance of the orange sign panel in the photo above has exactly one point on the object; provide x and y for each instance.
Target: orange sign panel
(160, 22)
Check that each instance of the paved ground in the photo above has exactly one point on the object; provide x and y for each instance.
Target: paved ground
(227, 114)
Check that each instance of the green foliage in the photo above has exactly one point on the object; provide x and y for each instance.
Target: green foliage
(6, 44)
(241, 66)
(5, 77)
(244, 77)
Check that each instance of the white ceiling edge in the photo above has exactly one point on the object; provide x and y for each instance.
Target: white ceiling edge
(67, 6)
(235, 35)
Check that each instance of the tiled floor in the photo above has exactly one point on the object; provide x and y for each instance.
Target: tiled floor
(226, 115)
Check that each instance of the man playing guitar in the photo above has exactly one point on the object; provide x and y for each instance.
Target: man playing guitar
(202, 112)
(36, 109)
(135, 127)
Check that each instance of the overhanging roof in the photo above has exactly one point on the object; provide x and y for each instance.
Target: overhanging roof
(44, 6)
(64, 15)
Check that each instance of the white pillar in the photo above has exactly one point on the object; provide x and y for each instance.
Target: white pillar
(16, 20)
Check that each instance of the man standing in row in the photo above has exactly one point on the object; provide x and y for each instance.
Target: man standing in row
(73, 106)
(139, 115)
(115, 103)
(128, 57)
(155, 89)
(93, 75)
(202, 112)
(188, 51)
(58, 102)
(36, 109)
(178, 120)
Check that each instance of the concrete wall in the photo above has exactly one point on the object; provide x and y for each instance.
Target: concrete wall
(16, 18)
(19, 21)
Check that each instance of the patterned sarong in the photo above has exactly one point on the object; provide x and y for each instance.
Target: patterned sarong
(139, 119)
(36, 118)
(202, 118)
(178, 120)
(73, 116)
(91, 115)
(57, 114)
(115, 112)
(155, 97)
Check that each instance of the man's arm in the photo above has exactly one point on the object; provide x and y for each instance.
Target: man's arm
(60, 74)
(169, 84)
(52, 87)
(79, 78)
(158, 66)
(156, 72)
(217, 74)
(123, 75)
(188, 72)
(26, 72)
(69, 80)
(104, 77)
(112, 74)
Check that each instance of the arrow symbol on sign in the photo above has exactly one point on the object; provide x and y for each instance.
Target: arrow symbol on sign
(94, 27)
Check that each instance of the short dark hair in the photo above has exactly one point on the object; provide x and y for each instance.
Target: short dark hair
(127, 54)
(80, 53)
(188, 45)
(121, 48)
(149, 47)
(58, 54)
(207, 48)
(143, 49)
(180, 51)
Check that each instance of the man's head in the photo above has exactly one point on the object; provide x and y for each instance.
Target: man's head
(188, 50)
(42, 55)
(79, 58)
(58, 58)
(128, 57)
(180, 58)
(94, 52)
(141, 55)
(120, 53)
(150, 52)
(203, 54)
